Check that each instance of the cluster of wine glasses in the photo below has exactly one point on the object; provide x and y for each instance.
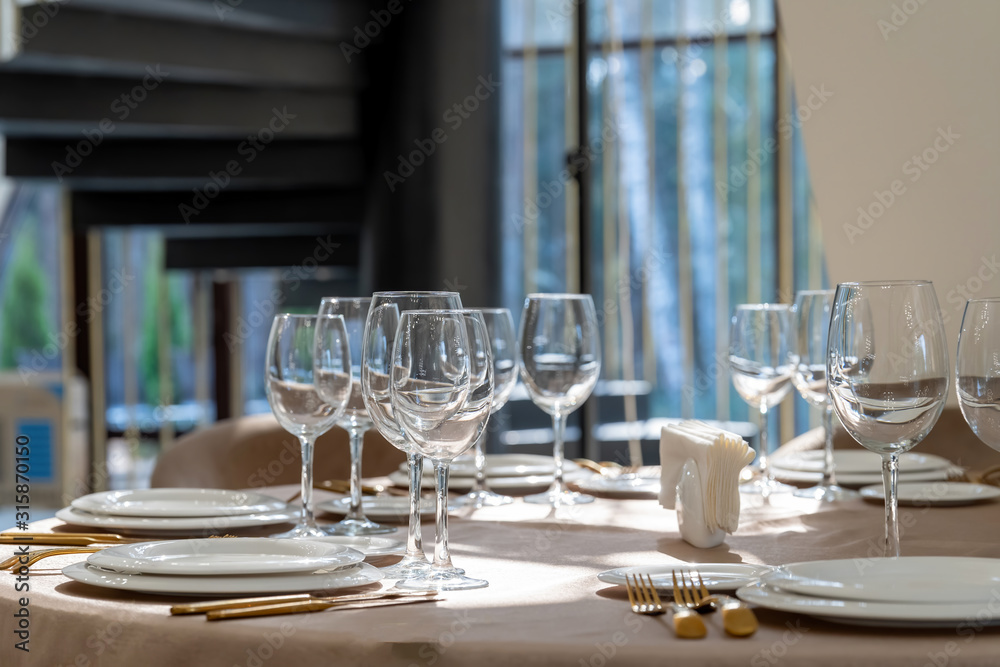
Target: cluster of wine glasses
(427, 374)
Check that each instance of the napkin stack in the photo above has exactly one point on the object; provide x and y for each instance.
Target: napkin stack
(719, 455)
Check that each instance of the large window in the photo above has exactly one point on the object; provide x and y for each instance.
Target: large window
(699, 195)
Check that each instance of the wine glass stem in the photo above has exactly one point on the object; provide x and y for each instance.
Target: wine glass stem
(414, 544)
(479, 485)
(357, 443)
(308, 444)
(558, 446)
(442, 557)
(765, 471)
(829, 477)
(890, 470)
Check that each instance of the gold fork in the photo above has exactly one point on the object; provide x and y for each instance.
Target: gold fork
(14, 563)
(645, 600)
(737, 618)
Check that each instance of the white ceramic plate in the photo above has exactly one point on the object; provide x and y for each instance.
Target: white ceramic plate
(860, 461)
(938, 494)
(178, 503)
(369, 545)
(210, 557)
(879, 614)
(618, 486)
(857, 480)
(925, 580)
(262, 584)
(379, 508)
(161, 526)
(502, 465)
(717, 576)
(498, 484)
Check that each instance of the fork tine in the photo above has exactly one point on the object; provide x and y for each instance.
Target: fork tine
(689, 593)
(628, 587)
(640, 589)
(652, 589)
(678, 595)
(681, 589)
(702, 588)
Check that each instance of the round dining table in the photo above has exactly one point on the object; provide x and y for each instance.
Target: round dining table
(544, 604)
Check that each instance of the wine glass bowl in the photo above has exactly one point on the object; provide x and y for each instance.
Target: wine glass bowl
(887, 370)
(977, 369)
(560, 363)
(761, 363)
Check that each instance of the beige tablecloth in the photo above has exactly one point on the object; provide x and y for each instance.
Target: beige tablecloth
(544, 604)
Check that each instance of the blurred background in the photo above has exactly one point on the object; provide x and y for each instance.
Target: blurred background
(174, 172)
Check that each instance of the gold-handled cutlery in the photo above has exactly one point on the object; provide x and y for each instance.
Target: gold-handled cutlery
(67, 539)
(17, 561)
(270, 600)
(321, 605)
(737, 618)
(645, 600)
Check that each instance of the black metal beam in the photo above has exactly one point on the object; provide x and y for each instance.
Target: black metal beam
(301, 256)
(158, 164)
(95, 108)
(74, 40)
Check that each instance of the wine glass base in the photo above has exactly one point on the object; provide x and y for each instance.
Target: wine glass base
(355, 527)
(441, 580)
(302, 532)
(477, 499)
(559, 498)
(827, 494)
(407, 568)
(765, 487)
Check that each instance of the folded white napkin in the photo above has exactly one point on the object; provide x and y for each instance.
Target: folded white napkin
(719, 455)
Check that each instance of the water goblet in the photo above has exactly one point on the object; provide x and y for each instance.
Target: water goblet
(977, 369)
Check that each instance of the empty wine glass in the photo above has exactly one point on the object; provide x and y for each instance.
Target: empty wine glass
(888, 375)
(377, 347)
(560, 362)
(761, 362)
(503, 344)
(291, 372)
(355, 421)
(978, 369)
(442, 393)
(812, 326)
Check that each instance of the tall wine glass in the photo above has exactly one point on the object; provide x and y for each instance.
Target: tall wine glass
(290, 372)
(978, 369)
(761, 363)
(887, 370)
(354, 311)
(503, 344)
(560, 362)
(377, 347)
(811, 315)
(442, 393)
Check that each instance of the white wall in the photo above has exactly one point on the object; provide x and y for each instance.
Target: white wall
(903, 73)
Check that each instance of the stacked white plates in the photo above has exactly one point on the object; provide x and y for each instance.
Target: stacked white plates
(227, 566)
(891, 592)
(174, 512)
(859, 467)
(505, 472)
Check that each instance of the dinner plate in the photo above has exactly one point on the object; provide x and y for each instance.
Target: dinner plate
(238, 555)
(859, 461)
(164, 526)
(856, 480)
(499, 484)
(369, 545)
(878, 614)
(911, 579)
(261, 584)
(717, 576)
(502, 465)
(380, 508)
(938, 494)
(178, 503)
(621, 486)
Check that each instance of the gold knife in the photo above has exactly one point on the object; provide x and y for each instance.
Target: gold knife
(313, 606)
(244, 603)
